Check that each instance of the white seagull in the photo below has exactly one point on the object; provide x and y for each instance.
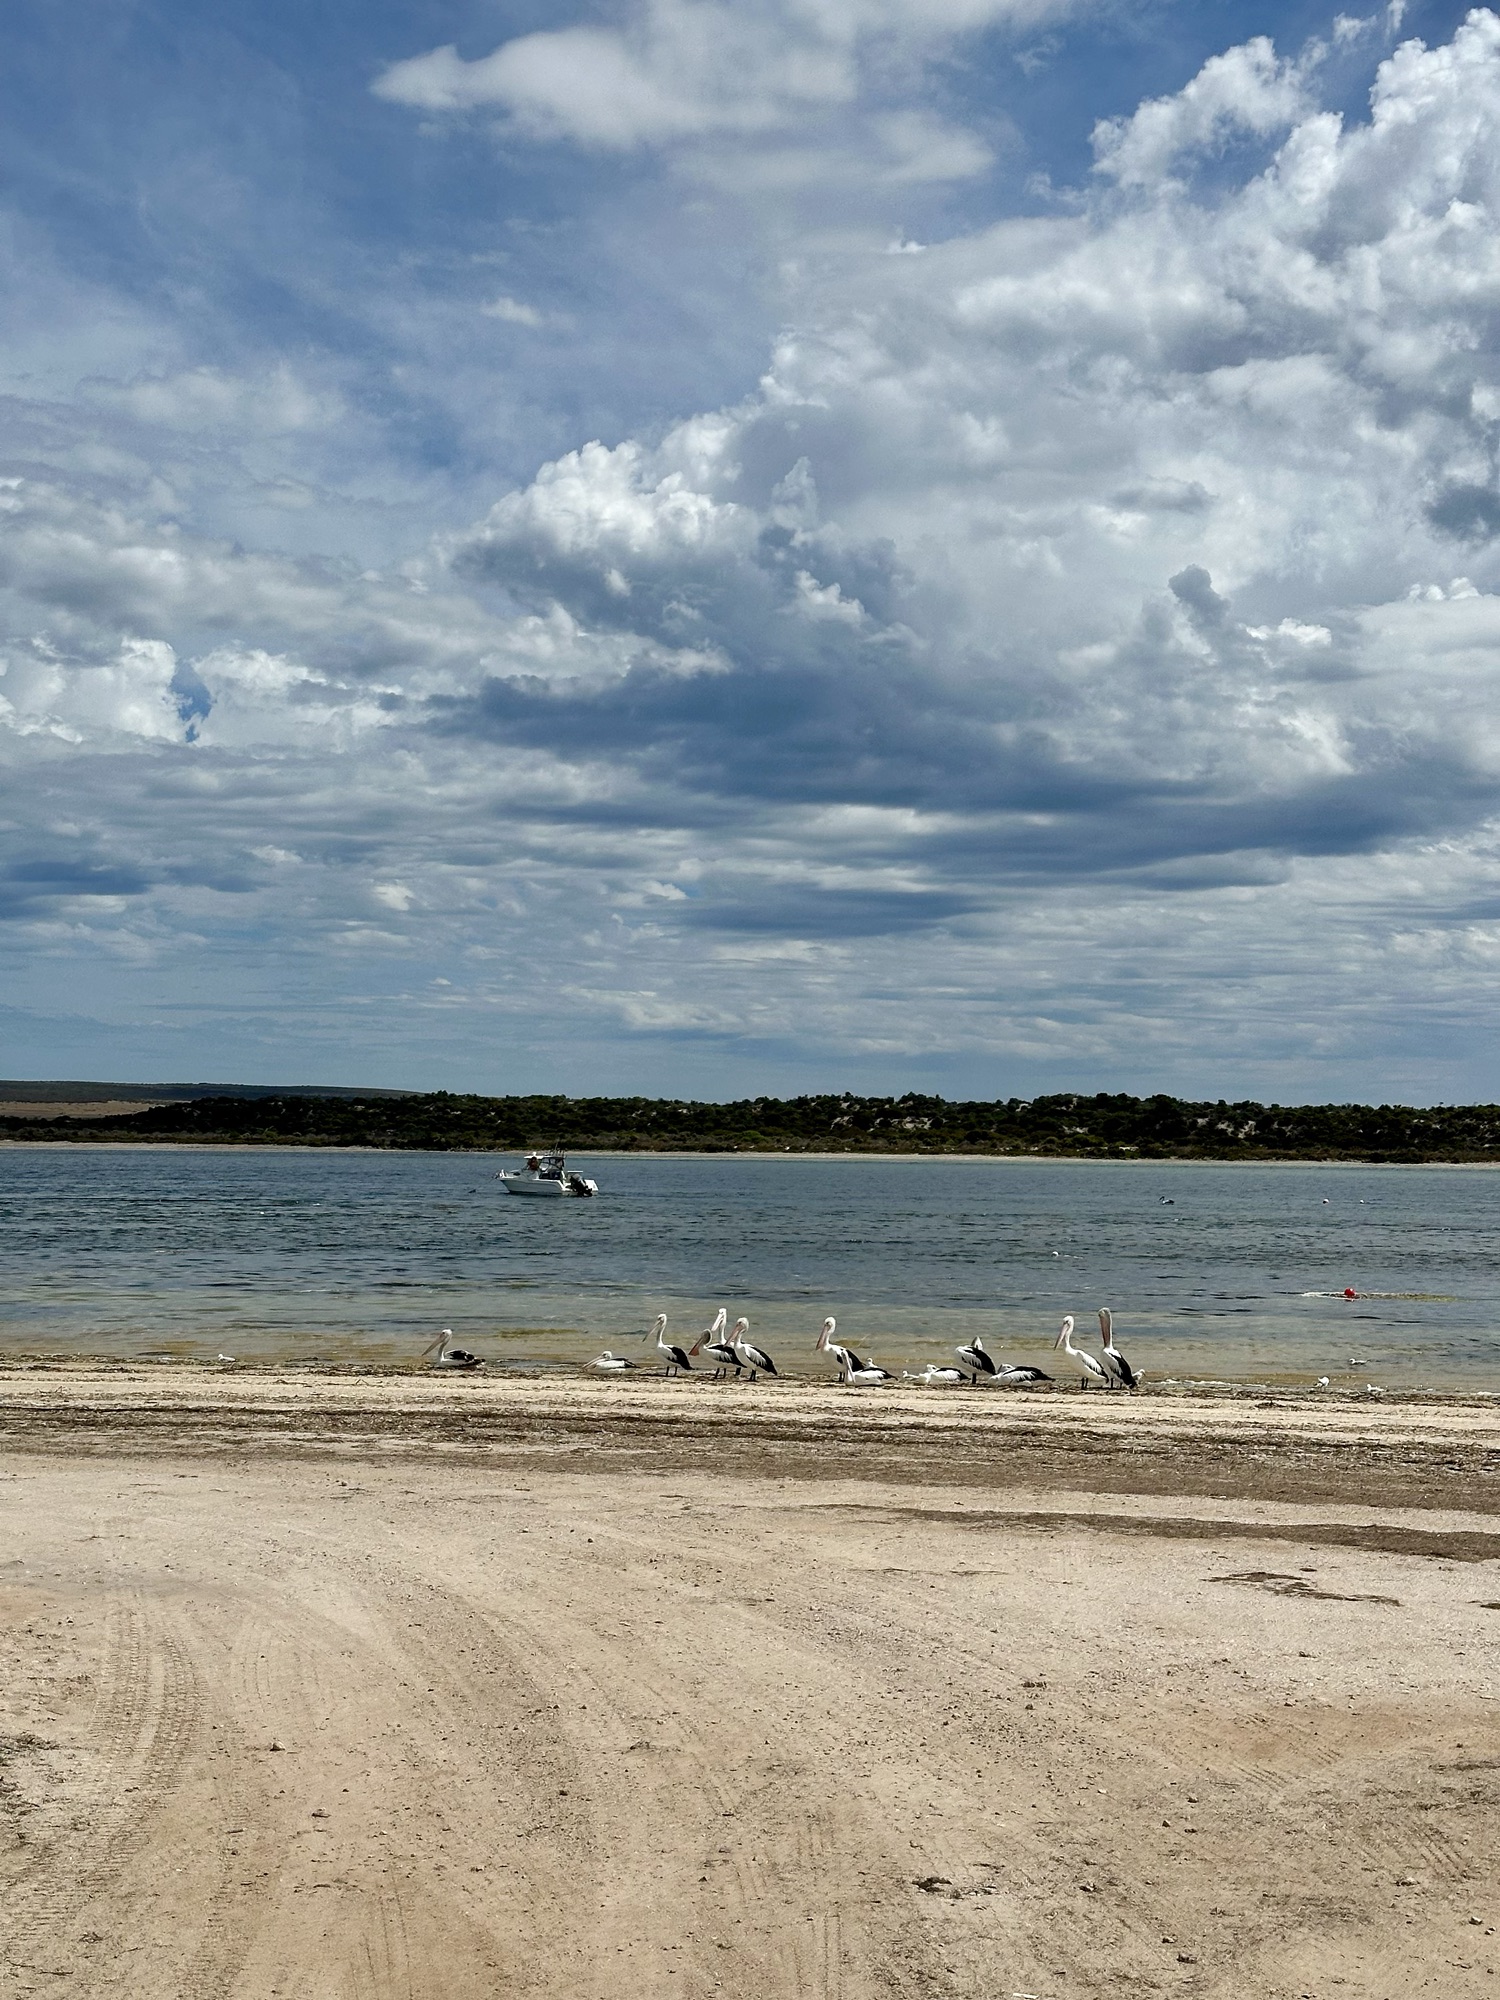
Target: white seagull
(446, 1356)
(1118, 1367)
(977, 1359)
(1093, 1370)
(719, 1350)
(611, 1364)
(754, 1358)
(676, 1357)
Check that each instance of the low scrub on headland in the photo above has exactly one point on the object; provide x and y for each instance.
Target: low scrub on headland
(1100, 1127)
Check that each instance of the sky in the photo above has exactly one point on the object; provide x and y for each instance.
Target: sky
(701, 549)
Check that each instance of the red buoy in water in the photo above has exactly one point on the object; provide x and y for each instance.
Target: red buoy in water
(1350, 1293)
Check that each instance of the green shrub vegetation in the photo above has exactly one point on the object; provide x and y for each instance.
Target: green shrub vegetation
(1100, 1127)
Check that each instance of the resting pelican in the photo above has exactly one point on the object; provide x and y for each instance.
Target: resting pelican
(676, 1357)
(719, 1350)
(932, 1373)
(444, 1356)
(976, 1359)
(864, 1374)
(829, 1345)
(1114, 1361)
(1016, 1374)
(754, 1358)
(1093, 1371)
(611, 1364)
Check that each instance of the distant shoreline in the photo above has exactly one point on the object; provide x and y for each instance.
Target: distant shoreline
(1065, 1126)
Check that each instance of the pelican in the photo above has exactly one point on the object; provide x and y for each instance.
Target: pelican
(226, 1357)
(676, 1357)
(754, 1358)
(719, 1350)
(1093, 1371)
(444, 1356)
(829, 1345)
(977, 1359)
(932, 1373)
(1119, 1368)
(611, 1364)
(1017, 1374)
(865, 1374)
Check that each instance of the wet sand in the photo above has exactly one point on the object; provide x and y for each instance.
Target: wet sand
(401, 1685)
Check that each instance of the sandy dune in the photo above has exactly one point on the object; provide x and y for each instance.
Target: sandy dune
(365, 1689)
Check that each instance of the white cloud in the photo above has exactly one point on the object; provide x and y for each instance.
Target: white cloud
(1246, 90)
(683, 70)
(515, 312)
(122, 700)
(274, 401)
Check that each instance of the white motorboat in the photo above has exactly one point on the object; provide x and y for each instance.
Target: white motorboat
(547, 1174)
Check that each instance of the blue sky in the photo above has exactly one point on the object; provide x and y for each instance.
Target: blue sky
(701, 549)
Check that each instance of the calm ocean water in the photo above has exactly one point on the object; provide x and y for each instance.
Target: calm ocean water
(1212, 1271)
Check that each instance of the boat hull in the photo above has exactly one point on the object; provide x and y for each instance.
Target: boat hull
(546, 1187)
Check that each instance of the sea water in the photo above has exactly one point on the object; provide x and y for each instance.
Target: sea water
(1226, 1272)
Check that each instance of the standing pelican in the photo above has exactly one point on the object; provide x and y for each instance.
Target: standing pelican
(676, 1357)
(444, 1356)
(828, 1345)
(1119, 1368)
(719, 1350)
(754, 1358)
(976, 1359)
(1093, 1370)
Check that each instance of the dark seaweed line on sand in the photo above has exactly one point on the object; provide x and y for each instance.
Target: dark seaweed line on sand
(1355, 1472)
(1457, 1545)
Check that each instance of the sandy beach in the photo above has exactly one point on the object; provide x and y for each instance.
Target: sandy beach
(402, 1685)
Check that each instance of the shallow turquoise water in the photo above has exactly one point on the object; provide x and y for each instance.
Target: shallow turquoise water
(1212, 1271)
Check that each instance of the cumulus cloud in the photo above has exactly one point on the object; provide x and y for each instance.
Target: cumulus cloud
(1246, 90)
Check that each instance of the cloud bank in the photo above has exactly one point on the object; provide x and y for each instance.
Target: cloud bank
(1078, 658)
